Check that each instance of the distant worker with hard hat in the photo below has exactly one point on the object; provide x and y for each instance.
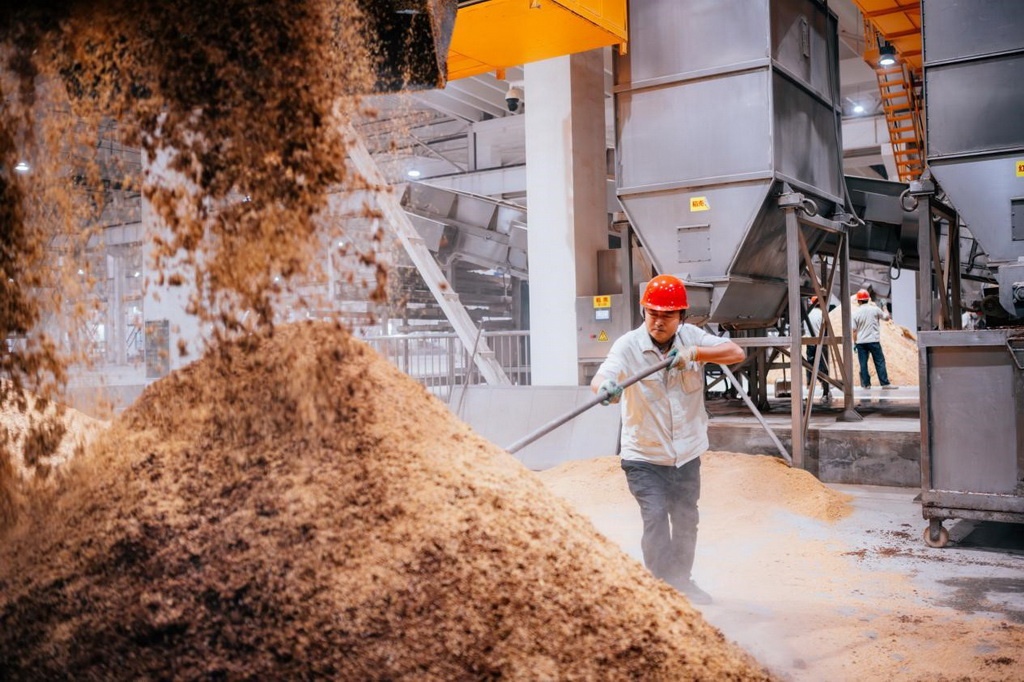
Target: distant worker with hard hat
(814, 319)
(867, 339)
(665, 426)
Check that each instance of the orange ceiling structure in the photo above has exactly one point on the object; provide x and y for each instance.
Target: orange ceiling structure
(496, 34)
(898, 22)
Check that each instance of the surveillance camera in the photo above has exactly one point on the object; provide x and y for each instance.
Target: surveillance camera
(513, 97)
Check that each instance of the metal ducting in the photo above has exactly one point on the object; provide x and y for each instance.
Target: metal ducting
(459, 226)
(974, 58)
(721, 107)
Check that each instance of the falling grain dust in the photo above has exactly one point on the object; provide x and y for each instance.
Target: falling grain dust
(294, 506)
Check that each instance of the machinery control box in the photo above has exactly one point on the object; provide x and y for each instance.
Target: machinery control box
(600, 320)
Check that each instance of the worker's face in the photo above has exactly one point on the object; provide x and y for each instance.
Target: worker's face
(662, 324)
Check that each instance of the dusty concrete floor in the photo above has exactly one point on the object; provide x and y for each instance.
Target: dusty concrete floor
(862, 598)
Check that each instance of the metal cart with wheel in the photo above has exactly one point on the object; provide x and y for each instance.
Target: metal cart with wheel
(972, 428)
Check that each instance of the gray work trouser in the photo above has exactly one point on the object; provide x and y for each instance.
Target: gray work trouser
(667, 496)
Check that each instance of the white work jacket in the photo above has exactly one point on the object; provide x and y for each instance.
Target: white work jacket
(866, 320)
(663, 417)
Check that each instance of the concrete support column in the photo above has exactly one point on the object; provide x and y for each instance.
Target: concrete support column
(566, 187)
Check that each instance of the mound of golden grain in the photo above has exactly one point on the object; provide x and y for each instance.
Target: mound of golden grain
(295, 507)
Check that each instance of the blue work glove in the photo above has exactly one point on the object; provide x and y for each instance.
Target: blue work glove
(612, 391)
(683, 356)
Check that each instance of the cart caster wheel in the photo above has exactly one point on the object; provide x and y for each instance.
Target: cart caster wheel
(938, 539)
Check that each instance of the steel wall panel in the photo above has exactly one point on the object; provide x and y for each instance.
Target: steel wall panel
(961, 29)
(807, 142)
(730, 32)
(975, 107)
(802, 36)
(711, 128)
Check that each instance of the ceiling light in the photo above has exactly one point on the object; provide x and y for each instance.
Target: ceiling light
(858, 108)
(886, 55)
(22, 167)
(413, 173)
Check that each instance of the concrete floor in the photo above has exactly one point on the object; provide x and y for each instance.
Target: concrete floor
(862, 598)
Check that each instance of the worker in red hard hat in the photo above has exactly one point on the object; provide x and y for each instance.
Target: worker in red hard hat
(664, 425)
(867, 339)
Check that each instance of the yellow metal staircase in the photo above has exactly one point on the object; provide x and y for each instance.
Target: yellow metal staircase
(901, 102)
(897, 23)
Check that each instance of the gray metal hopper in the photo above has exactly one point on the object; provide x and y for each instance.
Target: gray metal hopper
(973, 71)
(721, 106)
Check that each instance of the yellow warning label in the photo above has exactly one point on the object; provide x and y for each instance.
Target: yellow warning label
(1020, 169)
(602, 336)
(699, 204)
(602, 301)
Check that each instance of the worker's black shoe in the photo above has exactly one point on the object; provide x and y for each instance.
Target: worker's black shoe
(694, 593)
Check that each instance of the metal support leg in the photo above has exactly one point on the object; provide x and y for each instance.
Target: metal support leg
(795, 355)
(849, 413)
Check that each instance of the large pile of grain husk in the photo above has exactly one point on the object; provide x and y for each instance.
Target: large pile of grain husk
(295, 507)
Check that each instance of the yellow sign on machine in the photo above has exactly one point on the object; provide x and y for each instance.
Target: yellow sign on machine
(1020, 169)
(699, 204)
(602, 301)
(497, 34)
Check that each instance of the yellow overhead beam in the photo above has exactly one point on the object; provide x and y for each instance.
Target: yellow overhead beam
(497, 34)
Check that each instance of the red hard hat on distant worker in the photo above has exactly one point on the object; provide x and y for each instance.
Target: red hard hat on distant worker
(863, 295)
(665, 292)
(814, 300)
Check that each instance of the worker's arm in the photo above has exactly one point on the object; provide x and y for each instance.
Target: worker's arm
(727, 353)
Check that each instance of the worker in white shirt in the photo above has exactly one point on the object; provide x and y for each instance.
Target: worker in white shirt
(867, 339)
(664, 425)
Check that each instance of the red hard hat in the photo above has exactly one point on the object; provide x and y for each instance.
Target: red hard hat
(814, 300)
(863, 295)
(665, 292)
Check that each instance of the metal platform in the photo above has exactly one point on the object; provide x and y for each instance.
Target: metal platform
(882, 449)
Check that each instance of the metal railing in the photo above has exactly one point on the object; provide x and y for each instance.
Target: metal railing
(441, 362)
